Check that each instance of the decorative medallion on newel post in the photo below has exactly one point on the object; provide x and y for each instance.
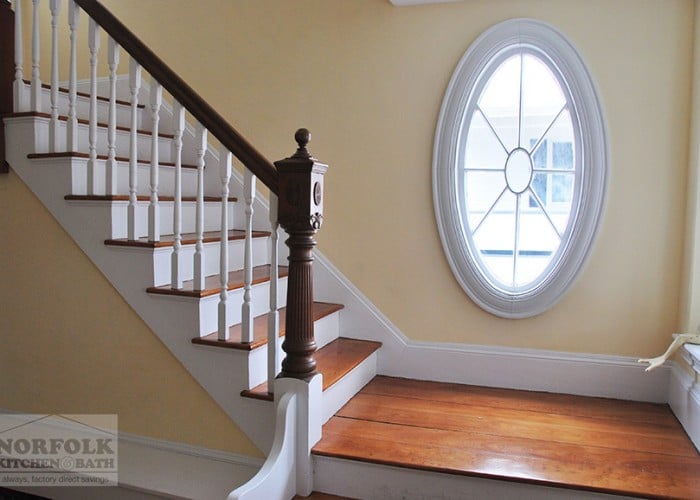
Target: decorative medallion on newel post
(301, 215)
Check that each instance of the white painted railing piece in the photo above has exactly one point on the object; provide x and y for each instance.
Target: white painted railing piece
(273, 317)
(153, 206)
(179, 119)
(72, 126)
(246, 308)
(94, 46)
(55, 7)
(225, 175)
(134, 87)
(35, 99)
(201, 142)
(18, 84)
(111, 165)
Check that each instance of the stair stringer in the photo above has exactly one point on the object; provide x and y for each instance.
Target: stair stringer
(223, 373)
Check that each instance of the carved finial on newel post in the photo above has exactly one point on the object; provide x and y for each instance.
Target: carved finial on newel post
(301, 215)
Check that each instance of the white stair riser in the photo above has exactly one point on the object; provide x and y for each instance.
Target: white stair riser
(122, 144)
(208, 307)
(83, 108)
(166, 179)
(162, 258)
(212, 217)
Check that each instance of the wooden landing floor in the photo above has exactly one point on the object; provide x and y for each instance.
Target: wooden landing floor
(593, 444)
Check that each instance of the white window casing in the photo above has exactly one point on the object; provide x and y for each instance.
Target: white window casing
(542, 44)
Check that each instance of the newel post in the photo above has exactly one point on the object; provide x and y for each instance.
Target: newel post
(7, 69)
(301, 215)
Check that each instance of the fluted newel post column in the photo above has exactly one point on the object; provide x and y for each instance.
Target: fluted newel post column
(301, 215)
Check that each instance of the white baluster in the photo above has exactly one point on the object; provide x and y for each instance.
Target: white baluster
(153, 206)
(72, 125)
(111, 165)
(201, 141)
(94, 46)
(176, 276)
(55, 7)
(134, 87)
(18, 84)
(246, 308)
(35, 101)
(225, 175)
(273, 317)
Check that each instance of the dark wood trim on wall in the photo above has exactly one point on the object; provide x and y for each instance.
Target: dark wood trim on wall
(7, 49)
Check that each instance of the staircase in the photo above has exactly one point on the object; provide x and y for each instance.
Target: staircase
(177, 227)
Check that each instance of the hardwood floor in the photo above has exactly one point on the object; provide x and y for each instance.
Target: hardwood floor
(592, 444)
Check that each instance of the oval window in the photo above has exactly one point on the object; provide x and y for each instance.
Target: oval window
(520, 168)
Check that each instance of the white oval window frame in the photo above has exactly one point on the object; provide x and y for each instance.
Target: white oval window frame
(589, 120)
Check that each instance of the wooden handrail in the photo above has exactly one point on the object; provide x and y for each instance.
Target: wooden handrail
(183, 93)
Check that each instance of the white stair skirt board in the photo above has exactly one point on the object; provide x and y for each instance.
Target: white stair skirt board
(368, 481)
(684, 393)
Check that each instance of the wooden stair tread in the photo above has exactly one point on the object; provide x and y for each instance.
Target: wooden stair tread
(211, 283)
(577, 442)
(75, 154)
(319, 310)
(187, 239)
(141, 197)
(334, 361)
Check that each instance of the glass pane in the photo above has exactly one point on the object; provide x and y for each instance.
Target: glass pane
(495, 239)
(483, 149)
(482, 189)
(536, 247)
(542, 98)
(500, 101)
(539, 156)
(562, 188)
(539, 186)
(563, 155)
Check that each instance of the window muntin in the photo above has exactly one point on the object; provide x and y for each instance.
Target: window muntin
(516, 208)
(519, 168)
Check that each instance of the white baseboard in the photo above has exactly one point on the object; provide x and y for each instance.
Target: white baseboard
(527, 369)
(381, 482)
(684, 397)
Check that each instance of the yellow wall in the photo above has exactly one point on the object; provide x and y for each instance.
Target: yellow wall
(70, 344)
(368, 79)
